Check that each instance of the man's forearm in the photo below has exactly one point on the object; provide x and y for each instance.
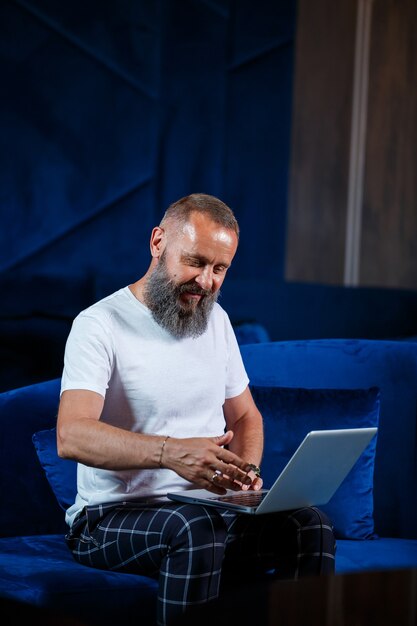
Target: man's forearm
(248, 439)
(101, 445)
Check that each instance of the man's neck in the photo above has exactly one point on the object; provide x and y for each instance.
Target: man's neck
(137, 289)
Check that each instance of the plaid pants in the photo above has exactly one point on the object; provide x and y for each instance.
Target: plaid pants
(189, 548)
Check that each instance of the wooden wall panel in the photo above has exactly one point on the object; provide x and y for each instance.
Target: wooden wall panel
(389, 219)
(320, 140)
(321, 185)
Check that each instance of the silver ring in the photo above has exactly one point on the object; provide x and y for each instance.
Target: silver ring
(216, 474)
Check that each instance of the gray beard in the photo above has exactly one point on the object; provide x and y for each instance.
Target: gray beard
(162, 296)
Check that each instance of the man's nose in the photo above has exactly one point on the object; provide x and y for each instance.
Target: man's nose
(205, 278)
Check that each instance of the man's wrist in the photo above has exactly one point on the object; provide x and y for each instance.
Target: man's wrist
(162, 451)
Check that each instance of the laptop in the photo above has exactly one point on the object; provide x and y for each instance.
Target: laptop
(310, 478)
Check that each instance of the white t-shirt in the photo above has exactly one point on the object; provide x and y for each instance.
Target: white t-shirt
(152, 383)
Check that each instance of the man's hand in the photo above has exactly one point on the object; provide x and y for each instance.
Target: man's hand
(256, 484)
(206, 463)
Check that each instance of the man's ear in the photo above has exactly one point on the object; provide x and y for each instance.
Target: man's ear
(158, 241)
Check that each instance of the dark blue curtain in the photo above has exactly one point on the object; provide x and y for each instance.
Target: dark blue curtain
(111, 110)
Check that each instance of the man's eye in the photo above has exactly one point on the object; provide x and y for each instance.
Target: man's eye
(220, 269)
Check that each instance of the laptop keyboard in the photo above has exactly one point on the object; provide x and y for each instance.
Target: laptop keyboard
(247, 498)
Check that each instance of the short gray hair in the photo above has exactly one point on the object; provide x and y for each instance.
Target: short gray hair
(211, 206)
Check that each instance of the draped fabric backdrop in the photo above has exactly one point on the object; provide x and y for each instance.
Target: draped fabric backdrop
(112, 109)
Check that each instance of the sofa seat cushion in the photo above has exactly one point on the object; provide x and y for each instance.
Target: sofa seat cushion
(40, 570)
(375, 554)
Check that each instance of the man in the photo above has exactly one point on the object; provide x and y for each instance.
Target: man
(155, 398)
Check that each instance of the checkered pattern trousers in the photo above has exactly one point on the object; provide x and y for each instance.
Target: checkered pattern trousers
(191, 549)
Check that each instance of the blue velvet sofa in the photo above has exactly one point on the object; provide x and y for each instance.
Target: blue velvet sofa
(299, 386)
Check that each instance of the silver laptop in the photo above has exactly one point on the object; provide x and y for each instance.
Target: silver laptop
(310, 478)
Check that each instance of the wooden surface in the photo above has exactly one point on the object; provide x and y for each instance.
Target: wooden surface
(387, 598)
(321, 142)
(324, 61)
(389, 229)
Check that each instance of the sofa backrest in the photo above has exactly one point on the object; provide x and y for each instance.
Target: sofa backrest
(29, 506)
(350, 364)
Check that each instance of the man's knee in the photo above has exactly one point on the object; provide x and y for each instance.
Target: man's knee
(310, 516)
(316, 545)
(316, 523)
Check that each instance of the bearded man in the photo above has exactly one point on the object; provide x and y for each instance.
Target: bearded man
(155, 398)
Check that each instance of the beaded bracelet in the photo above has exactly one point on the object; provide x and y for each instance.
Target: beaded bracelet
(162, 450)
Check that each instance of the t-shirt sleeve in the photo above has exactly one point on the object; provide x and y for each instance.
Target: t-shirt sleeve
(88, 358)
(237, 379)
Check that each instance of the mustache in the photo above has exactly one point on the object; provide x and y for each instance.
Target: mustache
(193, 288)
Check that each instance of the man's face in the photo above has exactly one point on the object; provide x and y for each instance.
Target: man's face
(186, 281)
